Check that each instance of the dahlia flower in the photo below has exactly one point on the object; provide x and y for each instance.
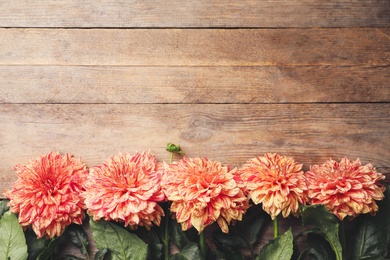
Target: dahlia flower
(203, 192)
(126, 188)
(46, 194)
(277, 182)
(346, 188)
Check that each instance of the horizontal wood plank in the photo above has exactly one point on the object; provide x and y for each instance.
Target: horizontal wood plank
(312, 133)
(105, 84)
(200, 13)
(190, 47)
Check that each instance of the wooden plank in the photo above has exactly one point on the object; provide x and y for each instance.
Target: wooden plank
(312, 133)
(200, 13)
(190, 47)
(105, 84)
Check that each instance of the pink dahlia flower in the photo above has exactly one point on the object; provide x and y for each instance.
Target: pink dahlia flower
(46, 194)
(203, 192)
(346, 188)
(126, 188)
(277, 182)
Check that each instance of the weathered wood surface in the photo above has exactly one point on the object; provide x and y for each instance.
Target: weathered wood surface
(192, 47)
(200, 13)
(228, 84)
(230, 133)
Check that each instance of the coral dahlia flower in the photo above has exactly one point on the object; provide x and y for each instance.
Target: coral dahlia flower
(46, 194)
(126, 188)
(203, 192)
(346, 188)
(277, 182)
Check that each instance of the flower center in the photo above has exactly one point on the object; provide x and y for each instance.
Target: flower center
(49, 186)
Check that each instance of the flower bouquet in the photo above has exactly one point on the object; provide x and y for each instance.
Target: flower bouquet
(136, 207)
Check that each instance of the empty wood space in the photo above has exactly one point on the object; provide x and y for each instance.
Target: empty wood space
(196, 47)
(184, 84)
(201, 13)
(228, 80)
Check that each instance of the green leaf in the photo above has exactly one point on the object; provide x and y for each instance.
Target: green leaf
(190, 252)
(155, 250)
(152, 238)
(35, 246)
(3, 207)
(71, 257)
(319, 216)
(149, 236)
(12, 241)
(280, 248)
(255, 228)
(49, 250)
(101, 254)
(78, 238)
(243, 235)
(227, 250)
(122, 244)
(373, 258)
(319, 248)
(234, 241)
(179, 238)
(372, 235)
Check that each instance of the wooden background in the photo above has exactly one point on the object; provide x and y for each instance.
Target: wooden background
(229, 80)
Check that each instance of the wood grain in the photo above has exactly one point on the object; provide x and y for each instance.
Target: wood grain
(200, 13)
(190, 47)
(233, 133)
(108, 84)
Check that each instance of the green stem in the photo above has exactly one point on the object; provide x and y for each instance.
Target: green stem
(276, 227)
(202, 244)
(166, 236)
(343, 241)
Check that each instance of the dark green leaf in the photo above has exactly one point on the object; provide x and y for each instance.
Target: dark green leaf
(179, 238)
(243, 235)
(71, 257)
(320, 217)
(309, 231)
(234, 241)
(12, 241)
(190, 252)
(78, 238)
(35, 246)
(3, 207)
(228, 251)
(319, 248)
(101, 254)
(152, 235)
(280, 248)
(301, 256)
(48, 252)
(122, 244)
(155, 250)
(372, 236)
(152, 238)
(373, 258)
(255, 228)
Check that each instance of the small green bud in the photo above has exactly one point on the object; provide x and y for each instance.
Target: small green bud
(173, 148)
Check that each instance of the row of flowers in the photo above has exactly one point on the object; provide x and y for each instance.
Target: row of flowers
(56, 190)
